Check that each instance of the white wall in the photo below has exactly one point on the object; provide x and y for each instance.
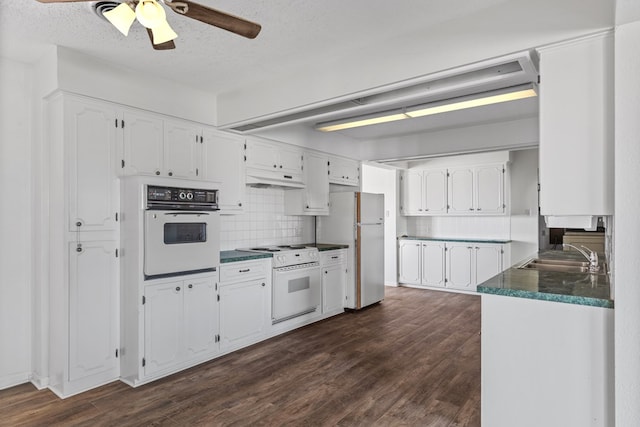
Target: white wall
(15, 222)
(524, 204)
(380, 179)
(627, 225)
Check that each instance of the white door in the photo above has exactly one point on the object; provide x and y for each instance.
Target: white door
(143, 144)
(411, 192)
(409, 257)
(200, 317)
(182, 149)
(290, 161)
(489, 184)
(433, 264)
(459, 266)
(371, 263)
(317, 182)
(163, 326)
(488, 261)
(460, 191)
(91, 138)
(334, 279)
(223, 158)
(261, 155)
(434, 193)
(93, 310)
(244, 313)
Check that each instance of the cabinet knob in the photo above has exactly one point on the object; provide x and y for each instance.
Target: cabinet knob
(263, 285)
(420, 210)
(470, 209)
(275, 166)
(170, 174)
(239, 204)
(280, 166)
(78, 223)
(177, 288)
(479, 209)
(190, 286)
(157, 172)
(79, 248)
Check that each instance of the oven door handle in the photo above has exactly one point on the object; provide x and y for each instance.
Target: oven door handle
(186, 213)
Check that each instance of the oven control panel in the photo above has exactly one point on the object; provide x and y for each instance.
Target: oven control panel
(181, 198)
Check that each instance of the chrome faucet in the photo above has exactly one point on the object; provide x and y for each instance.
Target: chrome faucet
(592, 256)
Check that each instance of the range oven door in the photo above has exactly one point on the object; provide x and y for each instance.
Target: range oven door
(178, 242)
(296, 291)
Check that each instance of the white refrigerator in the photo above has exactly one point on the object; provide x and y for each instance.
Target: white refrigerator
(357, 219)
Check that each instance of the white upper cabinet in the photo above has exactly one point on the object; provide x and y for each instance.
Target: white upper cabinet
(576, 127)
(223, 162)
(477, 190)
(314, 198)
(143, 143)
(273, 163)
(424, 192)
(157, 146)
(90, 135)
(182, 149)
(344, 171)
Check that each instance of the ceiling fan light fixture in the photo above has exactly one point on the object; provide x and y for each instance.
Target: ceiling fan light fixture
(163, 33)
(150, 13)
(121, 17)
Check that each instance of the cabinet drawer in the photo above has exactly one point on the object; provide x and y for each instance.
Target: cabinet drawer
(244, 270)
(333, 257)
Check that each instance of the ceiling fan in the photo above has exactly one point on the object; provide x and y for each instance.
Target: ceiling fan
(152, 16)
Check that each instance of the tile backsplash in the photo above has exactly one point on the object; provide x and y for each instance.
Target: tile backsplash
(264, 222)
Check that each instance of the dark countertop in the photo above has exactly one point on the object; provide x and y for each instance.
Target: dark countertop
(442, 239)
(572, 288)
(326, 246)
(233, 256)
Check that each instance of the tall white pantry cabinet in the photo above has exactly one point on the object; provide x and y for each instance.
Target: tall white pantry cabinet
(83, 253)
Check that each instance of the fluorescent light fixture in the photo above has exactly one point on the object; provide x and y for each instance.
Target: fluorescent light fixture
(486, 98)
(163, 33)
(150, 13)
(121, 17)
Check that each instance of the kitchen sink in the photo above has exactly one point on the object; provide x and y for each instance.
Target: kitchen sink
(564, 266)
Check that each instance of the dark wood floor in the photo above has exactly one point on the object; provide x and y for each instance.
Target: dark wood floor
(413, 360)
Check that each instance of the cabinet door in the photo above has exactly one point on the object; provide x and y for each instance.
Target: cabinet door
(460, 192)
(182, 149)
(434, 187)
(334, 279)
(261, 155)
(200, 317)
(409, 256)
(488, 261)
(163, 326)
(317, 182)
(344, 171)
(290, 160)
(489, 184)
(93, 310)
(244, 313)
(90, 133)
(433, 264)
(143, 143)
(411, 192)
(224, 163)
(459, 266)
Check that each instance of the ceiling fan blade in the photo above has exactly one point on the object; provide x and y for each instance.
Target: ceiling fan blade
(162, 46)
(216, 18)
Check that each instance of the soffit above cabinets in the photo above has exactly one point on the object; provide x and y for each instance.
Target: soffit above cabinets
(511, 70)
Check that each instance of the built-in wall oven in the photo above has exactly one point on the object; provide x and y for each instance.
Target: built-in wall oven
(181, 231)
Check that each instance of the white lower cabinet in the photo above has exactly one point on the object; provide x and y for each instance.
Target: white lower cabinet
(446, 264)
(334, 280)
(180, 323)
(245, 303)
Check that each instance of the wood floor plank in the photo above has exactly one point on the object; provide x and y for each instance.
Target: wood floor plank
(413, 360)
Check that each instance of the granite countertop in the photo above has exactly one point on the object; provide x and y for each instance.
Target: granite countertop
(233, 256)
(455, 239)
(572, 288)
